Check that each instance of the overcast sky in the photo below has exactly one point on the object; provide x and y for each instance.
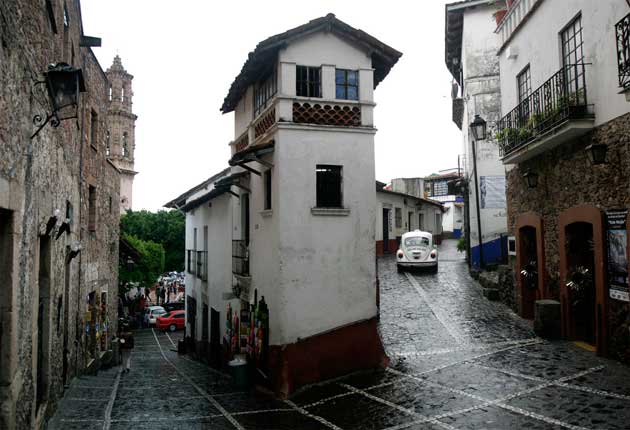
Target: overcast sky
(185, 54)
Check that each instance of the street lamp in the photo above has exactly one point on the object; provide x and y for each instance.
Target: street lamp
(478, 129)
(597, 153)
(63, 84)
(531, 178)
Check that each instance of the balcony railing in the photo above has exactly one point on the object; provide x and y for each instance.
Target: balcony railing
(202, 265)
(240, 258)
(623, 51)
(560, 99)
(191, 261)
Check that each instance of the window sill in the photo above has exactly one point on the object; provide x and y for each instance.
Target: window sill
(266, 213)
(330, 211)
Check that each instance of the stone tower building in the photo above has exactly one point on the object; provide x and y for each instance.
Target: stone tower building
(120, 138)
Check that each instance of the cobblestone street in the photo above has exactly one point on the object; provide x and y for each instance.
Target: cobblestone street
(458, 361)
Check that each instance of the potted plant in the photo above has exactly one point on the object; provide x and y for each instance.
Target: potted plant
(530, 275)
(579, 282)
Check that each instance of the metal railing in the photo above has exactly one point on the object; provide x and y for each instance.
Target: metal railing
(202, 265)
(561, 98)
(240, 258)
(622, 28)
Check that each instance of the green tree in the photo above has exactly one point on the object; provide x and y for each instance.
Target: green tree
(167, 228)
(149, 268)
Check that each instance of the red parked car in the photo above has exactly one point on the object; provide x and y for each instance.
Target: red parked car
(171, 321)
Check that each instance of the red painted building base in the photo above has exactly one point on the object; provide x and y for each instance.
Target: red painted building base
(393, 246)
(328, 355)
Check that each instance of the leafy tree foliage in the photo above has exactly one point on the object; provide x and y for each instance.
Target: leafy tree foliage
(167, 228)
(149, 268)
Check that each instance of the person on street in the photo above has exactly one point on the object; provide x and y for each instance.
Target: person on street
(126, 345)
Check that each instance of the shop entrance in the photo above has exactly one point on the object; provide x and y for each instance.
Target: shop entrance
(385, 230)
(580, 281)
(582, 278)
(528, 270)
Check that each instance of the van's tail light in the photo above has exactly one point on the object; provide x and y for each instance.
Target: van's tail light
(400, 254)
(433, 254)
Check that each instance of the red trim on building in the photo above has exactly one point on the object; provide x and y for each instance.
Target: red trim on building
(328, 355)
(392, 248)
(527, 299)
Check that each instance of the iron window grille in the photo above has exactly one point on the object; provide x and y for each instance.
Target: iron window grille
(308, 81)
(240, 258)
(347, 84)
(264, 92)
(622, 29)
(202, 265)
(329, 186)
(398, 216)
(440, 188)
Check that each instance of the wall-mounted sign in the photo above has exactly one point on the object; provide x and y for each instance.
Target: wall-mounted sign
(617, 252)
(492, 192)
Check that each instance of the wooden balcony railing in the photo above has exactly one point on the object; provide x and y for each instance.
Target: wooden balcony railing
(562, 98)
(240, 258)
(623, 51)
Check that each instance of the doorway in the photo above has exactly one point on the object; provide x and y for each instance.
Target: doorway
(583, 292)
(215, 338)
(385, 230)
(43, 320)
(6, 294)
(580, 281)
(66, 325)
(528, 270)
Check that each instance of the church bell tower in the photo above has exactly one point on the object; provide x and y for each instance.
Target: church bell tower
(120, 138)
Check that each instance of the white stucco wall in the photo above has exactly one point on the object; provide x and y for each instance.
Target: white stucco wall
(392, 201)
(538, 44)
(327, 263)
(482, 87)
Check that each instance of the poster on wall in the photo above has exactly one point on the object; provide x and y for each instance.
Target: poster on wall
(492, 192)
(617, 252)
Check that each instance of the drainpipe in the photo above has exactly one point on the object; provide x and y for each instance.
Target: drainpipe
(474, 148)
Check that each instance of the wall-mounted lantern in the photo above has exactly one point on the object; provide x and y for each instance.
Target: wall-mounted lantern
(531, 178)
(63, 84)
(478, 127)
(596, 153)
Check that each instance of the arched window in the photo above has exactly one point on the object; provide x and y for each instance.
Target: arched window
(122, 94)
(110, 93)
(125, 149)
(108, 149)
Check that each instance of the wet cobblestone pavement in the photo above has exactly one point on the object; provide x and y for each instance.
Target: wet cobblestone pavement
(458, 361)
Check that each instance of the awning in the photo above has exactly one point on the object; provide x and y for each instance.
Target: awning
(252, 154)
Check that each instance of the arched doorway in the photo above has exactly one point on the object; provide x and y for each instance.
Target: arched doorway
(582, 286)
(530, 262)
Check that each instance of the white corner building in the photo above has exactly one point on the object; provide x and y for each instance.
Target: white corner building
(293, 217)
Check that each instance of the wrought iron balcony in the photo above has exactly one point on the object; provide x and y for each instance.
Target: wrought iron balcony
(240, 258)
(623, 51)
(538, 122)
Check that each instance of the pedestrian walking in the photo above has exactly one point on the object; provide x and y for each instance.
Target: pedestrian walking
(126, 345)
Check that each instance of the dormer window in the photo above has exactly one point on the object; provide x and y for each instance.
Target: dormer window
(347, 84)
(308, 81)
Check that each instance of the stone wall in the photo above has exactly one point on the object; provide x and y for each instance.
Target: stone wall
(566, 179)
(37, 177)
